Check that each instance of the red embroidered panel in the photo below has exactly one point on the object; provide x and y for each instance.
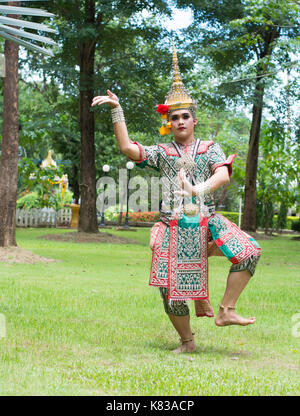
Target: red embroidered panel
(159, 259)
(188, 275)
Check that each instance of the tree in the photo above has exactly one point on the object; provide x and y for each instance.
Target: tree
(10, 144)
(245, 40)
(98, 35)
(48, 120)
(9, 148)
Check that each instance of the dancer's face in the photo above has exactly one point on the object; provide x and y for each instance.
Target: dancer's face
(182, 125)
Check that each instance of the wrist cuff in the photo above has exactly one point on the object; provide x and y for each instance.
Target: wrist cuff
(202, 189)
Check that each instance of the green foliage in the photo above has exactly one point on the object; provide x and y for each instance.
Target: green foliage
(112, 212)
(265, 220)
(238, 31)
(44, 184)
(130, 56)
(49, 120)
(290, 222)
(231, 216)
(241, 45)
(247, 43)
(56, 200)
(281, 219)
(131, 59)
(35, 200)
(29, 201)
(230, 129)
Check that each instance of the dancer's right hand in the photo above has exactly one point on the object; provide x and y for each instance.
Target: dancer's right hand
(185, 185)
(111, 99)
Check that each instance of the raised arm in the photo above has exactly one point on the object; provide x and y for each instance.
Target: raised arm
(129, 149)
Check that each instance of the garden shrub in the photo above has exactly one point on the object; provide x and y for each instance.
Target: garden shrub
(29, 201)
(34, 200)
(281, 223)
(296, 225)
(289, 222)
(231, 216)
(142, 216)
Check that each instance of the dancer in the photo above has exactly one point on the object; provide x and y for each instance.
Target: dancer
(189, 229)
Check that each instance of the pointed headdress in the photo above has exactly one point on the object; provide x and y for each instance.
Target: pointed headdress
(177, 98)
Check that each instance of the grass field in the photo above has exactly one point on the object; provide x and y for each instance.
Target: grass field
(89, 324)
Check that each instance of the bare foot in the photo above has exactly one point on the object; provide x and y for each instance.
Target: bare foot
(227, 316)
(203, 308)
(186, 346)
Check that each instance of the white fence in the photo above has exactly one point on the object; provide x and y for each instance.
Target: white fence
(45, 217)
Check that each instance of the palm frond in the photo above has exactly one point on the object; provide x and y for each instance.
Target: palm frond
(23, 23)
(5, 1)
(28, 11)
(14, 35)
(27, 45)
(24, 34)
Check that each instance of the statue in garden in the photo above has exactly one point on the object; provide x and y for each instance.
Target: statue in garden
(189, 229)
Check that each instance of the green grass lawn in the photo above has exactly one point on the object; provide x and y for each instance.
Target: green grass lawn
(89, 324)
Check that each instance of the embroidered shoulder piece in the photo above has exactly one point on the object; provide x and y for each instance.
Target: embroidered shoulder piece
(169, 149)
(228, 162)
(204, 146)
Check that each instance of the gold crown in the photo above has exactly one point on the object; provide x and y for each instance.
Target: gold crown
(178, 96)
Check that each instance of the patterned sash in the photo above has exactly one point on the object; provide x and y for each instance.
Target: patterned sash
(188, 259)
(180, 258)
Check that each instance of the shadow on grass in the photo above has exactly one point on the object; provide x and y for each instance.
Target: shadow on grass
(200, 349)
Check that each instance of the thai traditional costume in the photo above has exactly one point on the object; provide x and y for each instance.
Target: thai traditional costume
(189, 229)
(181, 243)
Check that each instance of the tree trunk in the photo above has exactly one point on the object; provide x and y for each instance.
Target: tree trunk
(10, 147)
(88, 213)
(249, 214)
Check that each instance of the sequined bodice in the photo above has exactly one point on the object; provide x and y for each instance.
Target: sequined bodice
(199, 160)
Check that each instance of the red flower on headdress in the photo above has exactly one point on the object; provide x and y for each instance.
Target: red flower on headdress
(162, 109)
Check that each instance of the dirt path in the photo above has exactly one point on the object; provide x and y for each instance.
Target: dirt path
(20, 255)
